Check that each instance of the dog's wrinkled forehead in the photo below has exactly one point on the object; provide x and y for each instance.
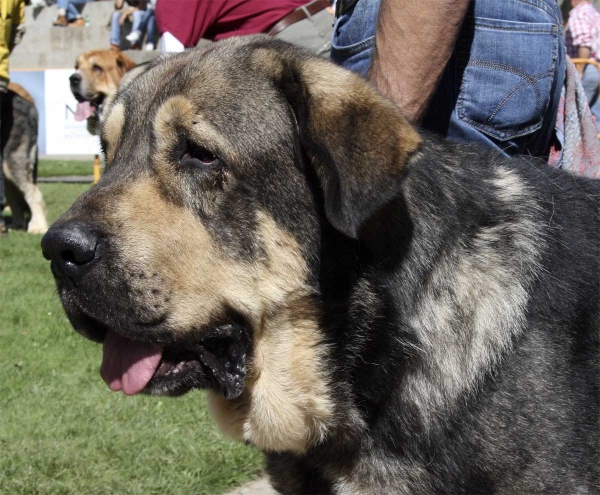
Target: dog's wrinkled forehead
(220, 93)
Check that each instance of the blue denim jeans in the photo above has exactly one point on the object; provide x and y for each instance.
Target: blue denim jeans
(115, 28)
(72, 12)
(502, 84)
(143, 21)
(590, 83)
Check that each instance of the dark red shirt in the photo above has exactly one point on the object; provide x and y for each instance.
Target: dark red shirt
(190, 20)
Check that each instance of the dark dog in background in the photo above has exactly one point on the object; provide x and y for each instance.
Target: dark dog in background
(20, 160)
(379, 311)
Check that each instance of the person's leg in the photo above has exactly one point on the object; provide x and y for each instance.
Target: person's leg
(63, 6)
(136, 33)
(138, 16)
(591, 86)
(521, 116)
(147, 15)
(590, 82)
(72, 12)
(151, 31)
(505, 99)
(353, 39)
(115, 29)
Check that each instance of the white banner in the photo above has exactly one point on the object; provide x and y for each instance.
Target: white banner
(65, 136)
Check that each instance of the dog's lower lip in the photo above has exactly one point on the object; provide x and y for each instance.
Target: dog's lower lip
(166, 368)
(217, 362)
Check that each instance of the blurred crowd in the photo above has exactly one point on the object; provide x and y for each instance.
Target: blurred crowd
(183, 24)
(138, 24)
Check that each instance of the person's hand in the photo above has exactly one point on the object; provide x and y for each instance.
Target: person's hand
(17, 36)
(125, 14)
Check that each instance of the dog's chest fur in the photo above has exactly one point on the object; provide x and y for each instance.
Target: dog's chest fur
(453, 336)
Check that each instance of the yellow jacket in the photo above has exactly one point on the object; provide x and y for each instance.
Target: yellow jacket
(12, 13)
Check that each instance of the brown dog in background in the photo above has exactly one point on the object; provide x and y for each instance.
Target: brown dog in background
(95, 82)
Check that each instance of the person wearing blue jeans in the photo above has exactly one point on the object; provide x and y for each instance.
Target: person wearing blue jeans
(591, 86)
(68, 15)
(143, 22)
(480, 71)
(118, 18)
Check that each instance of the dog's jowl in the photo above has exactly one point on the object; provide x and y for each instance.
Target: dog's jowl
(377, 310)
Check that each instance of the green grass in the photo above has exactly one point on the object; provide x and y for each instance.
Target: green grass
(59, 168)
(62, 430)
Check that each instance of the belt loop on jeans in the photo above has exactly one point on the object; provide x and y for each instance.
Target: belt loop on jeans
(304, 12)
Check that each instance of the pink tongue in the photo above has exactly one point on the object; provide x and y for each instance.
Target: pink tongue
(84, 110)
(128, 365)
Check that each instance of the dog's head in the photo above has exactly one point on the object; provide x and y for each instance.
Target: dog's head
(197, 257)
(96, 79)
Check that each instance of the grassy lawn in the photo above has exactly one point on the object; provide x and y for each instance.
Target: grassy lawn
(56, 168)
(62, 430)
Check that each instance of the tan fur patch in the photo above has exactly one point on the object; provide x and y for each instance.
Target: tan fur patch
(333, 90)
(286, 404)
(21, 91)
(458, 353)
(171, 241)
(111, 130)
(180, 111)
(268, 61)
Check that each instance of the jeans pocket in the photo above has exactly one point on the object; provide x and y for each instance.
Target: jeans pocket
(509, 70)
(353, 39)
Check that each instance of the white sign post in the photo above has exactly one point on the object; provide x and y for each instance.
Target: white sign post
(65, 136)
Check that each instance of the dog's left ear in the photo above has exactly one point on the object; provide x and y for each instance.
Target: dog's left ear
(357, 141)
(124, 63)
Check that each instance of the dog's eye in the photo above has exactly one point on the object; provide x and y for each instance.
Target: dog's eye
(97, 69)
(196, 156)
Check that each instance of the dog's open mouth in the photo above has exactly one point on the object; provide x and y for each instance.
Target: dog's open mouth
(86, 107)
(218, 361)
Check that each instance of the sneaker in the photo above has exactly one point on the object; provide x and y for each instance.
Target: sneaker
(79, 22)
(61, 21)
(133, 36)
(149, 47)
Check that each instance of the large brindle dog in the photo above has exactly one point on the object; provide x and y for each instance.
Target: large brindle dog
(380, 312)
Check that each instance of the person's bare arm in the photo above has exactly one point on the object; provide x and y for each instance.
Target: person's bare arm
(414, 41)
(583, 52)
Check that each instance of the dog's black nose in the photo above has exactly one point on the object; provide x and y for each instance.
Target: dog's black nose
(71, 247)
(75, 79)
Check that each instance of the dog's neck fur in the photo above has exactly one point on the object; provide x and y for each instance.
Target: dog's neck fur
(426, 368)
